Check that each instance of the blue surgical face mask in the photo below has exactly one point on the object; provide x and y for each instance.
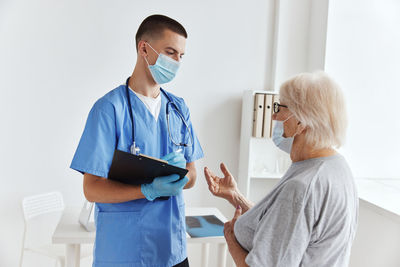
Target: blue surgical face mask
(283, 143)
(165, 68)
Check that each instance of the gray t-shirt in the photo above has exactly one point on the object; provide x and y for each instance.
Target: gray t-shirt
(309, 219)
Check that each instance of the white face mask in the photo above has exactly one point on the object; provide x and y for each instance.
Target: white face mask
(283, 143)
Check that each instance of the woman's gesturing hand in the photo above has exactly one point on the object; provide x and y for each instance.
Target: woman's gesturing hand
(221, 187)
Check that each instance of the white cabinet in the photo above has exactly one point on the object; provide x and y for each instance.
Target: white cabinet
(259, 158)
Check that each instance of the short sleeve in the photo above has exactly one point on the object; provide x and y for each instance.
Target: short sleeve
(195, 152)
(283, 233)
(97, 144)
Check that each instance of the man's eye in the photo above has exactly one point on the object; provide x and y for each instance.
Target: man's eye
(170, 53)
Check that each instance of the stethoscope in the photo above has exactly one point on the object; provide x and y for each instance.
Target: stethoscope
(136, 150)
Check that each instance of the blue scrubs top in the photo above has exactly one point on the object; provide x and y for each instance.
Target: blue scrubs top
(137, 232)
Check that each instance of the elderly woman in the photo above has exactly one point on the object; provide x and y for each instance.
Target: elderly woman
(310, 217)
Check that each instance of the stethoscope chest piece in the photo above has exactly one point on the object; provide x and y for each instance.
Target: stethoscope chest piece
(135, 150)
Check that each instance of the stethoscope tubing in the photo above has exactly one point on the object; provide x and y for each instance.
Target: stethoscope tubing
(167, 115)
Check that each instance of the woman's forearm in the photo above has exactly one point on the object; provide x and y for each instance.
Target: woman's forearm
(239, 200)
(238, 255)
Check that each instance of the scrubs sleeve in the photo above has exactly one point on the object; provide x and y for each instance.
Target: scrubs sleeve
(96, 147)
(195, 152)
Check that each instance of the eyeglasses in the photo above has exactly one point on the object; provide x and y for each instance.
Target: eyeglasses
(276, 107)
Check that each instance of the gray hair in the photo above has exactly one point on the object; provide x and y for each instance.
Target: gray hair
(318, 103)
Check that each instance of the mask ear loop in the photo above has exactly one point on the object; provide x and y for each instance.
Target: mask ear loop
(147, 62)
(287, 118)
(153, 50)
(296, 133)
(297, 130)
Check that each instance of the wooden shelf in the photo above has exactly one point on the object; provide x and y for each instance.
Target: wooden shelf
(257, 154)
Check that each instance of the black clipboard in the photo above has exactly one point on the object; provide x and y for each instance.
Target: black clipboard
(140, 169)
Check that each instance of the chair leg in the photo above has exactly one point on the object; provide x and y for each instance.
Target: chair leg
(23, 247)
(22, 257)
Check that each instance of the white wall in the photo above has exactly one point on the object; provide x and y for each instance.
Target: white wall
(58, 57)
(363, 55)
(292, 51)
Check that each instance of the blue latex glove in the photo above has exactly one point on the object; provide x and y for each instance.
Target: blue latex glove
(164, 186)
(176, 159)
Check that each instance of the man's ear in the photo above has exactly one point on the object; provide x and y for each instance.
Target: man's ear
(142, 49)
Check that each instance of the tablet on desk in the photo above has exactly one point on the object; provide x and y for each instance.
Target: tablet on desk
(140, 169)
(204, 226)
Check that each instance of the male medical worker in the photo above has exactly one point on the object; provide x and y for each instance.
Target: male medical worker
(137, 225)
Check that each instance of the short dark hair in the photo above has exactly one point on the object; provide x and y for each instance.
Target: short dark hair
(155, 25)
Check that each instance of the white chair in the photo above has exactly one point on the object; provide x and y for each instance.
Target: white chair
(41, 216)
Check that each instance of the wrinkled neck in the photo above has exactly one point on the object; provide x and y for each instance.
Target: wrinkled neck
(303, 151)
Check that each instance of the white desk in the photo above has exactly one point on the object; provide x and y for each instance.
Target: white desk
(381, 195)
(72, 234)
